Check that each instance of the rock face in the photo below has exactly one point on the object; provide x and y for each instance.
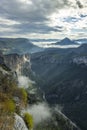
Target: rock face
(62, 76)
(19, 123)
(7, 81)
(80, 60)
(17, 62)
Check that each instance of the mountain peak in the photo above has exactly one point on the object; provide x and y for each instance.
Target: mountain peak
(67, 41)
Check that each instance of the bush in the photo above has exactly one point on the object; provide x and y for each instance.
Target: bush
(28, 120)
(24, 94)
(6, 105)
(9, 106)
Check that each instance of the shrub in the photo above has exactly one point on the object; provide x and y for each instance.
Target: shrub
(9, 105)
(24, 94)
(28, 120)
(6, 104)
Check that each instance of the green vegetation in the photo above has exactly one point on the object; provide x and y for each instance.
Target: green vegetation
(24, 95)
(7, 108)
(10, 106)
(29, 120)
(6, 104)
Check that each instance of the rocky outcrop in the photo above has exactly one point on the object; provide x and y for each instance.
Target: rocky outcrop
(19, 123)
(80, 60)
(17, 62)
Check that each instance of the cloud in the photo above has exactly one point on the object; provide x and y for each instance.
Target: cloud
(26, 17)
(40, 112)
(24, 81)
(35, 11)
(36, 28)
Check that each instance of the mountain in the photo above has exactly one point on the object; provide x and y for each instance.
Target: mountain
(18, 45)
(59, 79)
(66, 41)
(62, 76)
(13, 101)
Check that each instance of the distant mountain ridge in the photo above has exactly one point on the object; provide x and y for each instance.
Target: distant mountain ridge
(66, 41)
(18, 45)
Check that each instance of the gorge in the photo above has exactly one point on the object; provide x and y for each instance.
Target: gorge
(55, 77)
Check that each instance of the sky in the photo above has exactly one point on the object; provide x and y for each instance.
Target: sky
(43, 19)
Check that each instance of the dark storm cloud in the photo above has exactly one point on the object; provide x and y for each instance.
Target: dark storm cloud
(39, 10)
(36, 28)
(32, 17)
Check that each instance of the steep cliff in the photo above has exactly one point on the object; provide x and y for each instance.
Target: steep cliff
(17, 62)
(19, 123)
(62, 76)
(12, 99)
